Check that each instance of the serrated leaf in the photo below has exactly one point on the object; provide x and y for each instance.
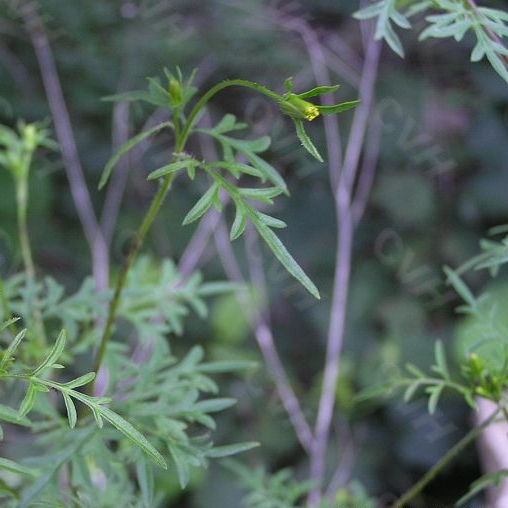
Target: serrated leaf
(125, 148)
(228, 450)
(11, 349)
(203, 204)
(54, 354)
(306, 141)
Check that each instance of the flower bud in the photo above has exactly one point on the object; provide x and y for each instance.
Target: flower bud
(175, 92)
(298, 108)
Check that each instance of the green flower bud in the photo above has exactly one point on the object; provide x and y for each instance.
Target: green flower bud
(298, 108)
(29, 134)
(175, 92)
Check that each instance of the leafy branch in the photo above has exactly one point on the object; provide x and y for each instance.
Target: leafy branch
(38, 384)
(451, 19)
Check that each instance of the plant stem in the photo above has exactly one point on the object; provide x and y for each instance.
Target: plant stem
(26, 251)
(180, 141)
(444, 461)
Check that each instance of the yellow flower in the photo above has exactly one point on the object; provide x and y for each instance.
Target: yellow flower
(298, 108)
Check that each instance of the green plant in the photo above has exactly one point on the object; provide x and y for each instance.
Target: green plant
(156, 410)
(445, 18)
(482, 369)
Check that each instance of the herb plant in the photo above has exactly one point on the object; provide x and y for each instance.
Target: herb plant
(139, 410)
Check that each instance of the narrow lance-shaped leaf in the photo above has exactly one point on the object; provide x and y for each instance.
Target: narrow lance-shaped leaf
(128, 430)
(28, 401)
(319, 90)
(203, 204)
(14, 467)
(338, 108)
(282, 254)
(172, 168)
(54, 354)
(306, 141)
(11, 349)
(71, 410)
(239, 223)
(125, 148)
(226, 451)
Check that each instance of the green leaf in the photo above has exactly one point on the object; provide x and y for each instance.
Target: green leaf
(435, 393)
(203, 204)
(305, 140)
(10, 415)
(173, 168)
(271, 222)
(54, 354)
(30, 494)
(265, 195)
(228, 124)
(214, 405)
(319, 90)
(338, 108)
(137, 95)
(125, 148)
(71, 410)
(182, 466)
(11, 349)
(441, 364)
(226, 451)
(237, 168)
(239, 223)
(488, 480)
(28, 401)
(14, 467)
(270, 173)
(134, 435)
(459, 286)
(282, 254)
(81, 381)
(8, 323)
(226, 366)
(146, 481)
(410, 391)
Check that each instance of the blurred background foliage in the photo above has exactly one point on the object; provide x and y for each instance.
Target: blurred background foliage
(441, 183)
